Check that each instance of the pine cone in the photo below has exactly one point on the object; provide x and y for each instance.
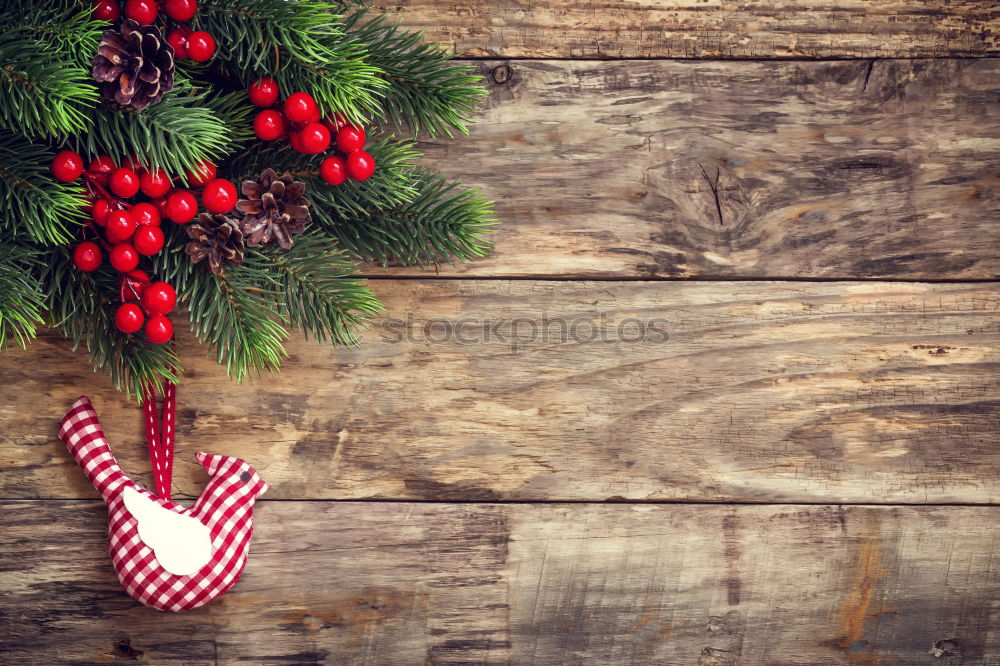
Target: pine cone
(135, 66)
(217, 238)
(274, 210)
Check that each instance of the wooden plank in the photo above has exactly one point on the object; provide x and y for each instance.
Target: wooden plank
(753, 391)
(842, 169)
(584, 29)
(391, 583)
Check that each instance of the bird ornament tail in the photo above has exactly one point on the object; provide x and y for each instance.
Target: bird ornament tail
(166, 556)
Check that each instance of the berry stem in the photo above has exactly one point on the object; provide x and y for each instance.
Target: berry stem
(97, 189)
(98, 236)
(126, 281)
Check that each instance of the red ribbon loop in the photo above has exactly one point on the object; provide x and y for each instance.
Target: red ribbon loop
(161, 440)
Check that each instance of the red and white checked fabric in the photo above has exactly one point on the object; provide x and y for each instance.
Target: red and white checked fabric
(225, 507)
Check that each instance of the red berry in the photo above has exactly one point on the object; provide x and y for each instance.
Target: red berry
(100, 212)
(159, 330)
(200, 174)
(333, 170)
(67, 166)
(314, 117)
(300, 107)
(360, 165)
(180, 10)
(155, 183)
(125, 183)
(177, 38)
(102, 164)
(351, 138)
(181, 207)
(107, 10)
(142, 12)
(315, 138)
(145, 215)
(219, 196)
(87, 256)
(148, 240)
(270, 125)
(295, 138)
(129, 318)
(263, 91)
(200, 46)
(119, 226)
(159, 298)
(124, 258)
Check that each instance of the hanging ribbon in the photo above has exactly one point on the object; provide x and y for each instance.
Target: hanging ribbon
(160, 438)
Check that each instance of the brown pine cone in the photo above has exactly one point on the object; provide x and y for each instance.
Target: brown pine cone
(274, 210)
(134, 66)
(216, 238)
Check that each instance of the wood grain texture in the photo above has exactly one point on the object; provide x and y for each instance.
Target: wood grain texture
(391, 583)
(583, 29)
(842, 169)
(753, 391)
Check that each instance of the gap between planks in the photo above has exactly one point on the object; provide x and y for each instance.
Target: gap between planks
(659, 279)
(389, 500)
(525, 59)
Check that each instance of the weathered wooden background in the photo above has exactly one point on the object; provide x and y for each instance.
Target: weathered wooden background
(727, 392)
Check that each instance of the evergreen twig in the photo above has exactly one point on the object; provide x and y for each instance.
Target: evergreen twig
(442, 223)
(34, 204)
(310, 287)
(41, 94)
(300, 44)
(427, 92)
(176, 133)
(22, 300)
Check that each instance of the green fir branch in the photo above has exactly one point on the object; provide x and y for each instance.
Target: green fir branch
(256, 32)
(41, 94)
(300, 44)
(64, 25)
(312, 289)
(33, 203)
(234, 111)
(392, 185)
(442, 223)
(175, 134)
(427, 91)
(22, 300)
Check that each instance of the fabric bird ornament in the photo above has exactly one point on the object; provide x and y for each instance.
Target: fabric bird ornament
(166, 556)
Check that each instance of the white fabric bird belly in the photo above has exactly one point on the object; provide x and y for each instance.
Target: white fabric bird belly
(182, 544)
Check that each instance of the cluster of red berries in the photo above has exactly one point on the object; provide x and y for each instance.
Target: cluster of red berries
(130, 230)
(145, 306)
(198, 46)
(299, 121)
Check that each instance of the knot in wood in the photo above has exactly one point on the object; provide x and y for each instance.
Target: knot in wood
(501, 74)
(947, 647)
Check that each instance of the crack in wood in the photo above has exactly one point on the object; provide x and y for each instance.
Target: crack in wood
(714, 186)
(868, 74)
